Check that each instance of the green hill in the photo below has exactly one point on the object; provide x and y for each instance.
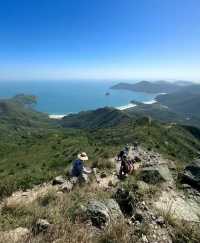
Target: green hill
(100, 118)
(186, 101)
(162, 113)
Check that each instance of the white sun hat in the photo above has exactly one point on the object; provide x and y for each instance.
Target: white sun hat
(82, 156)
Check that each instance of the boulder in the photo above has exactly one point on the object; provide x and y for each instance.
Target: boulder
(103, 213)
(160, 220)
(58, 180)
(41, 226)
(125, 200)
(156, 174)
(191, 174)
(114, 210)
(66, 186)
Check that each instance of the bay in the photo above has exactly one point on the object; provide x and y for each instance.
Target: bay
(63, 97)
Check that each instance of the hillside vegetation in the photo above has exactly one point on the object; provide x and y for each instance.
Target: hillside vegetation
(186, 101)
(34, 150)
(162, 113)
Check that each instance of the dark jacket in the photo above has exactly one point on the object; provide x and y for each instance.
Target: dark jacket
(77, 168)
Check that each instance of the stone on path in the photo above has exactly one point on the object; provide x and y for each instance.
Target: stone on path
(58, 180)
(103, 213)
(66, 186)
(41, 226)
(20, 198)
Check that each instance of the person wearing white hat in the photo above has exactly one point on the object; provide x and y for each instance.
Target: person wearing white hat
(78, 169)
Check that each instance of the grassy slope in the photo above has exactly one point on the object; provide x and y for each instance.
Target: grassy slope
(186, 101)
(32, 150)
(161, 113)
(100, 118)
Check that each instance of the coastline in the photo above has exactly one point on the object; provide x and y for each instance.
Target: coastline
(150, 102)
(58, 117)
(124, 107)
(121, 108)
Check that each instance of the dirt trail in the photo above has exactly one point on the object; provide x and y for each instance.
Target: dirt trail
(28, 196)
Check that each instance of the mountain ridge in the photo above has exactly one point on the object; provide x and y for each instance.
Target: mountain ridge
(151, 87)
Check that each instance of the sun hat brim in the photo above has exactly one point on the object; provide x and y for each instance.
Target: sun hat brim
(84, 158)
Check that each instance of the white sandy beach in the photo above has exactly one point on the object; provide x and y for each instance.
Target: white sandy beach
(124, 107)
(58, 117)
(150, 102)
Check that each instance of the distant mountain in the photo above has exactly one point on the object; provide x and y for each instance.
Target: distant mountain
(183, 83)
(100, 118)
(151, 87)
(185, 101)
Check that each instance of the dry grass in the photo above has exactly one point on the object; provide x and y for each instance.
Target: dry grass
(182, 231)
(116, 233)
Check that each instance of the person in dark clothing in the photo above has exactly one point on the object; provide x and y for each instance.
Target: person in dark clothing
(122, 153)
(123, 167)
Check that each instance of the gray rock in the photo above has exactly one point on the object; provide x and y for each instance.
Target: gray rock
(160, 220)
(191, 174)
(98, 213)
(125, 200)
(156, 174)
(114, 209)
(41, 225)
(73, 180)
(58, 180)
(66, 186)
(103, 213)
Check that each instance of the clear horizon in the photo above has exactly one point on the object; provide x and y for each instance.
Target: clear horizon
(100, 40)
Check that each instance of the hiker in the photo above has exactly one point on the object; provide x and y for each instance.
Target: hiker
(78, 169)
(126, 167)
(122, 153)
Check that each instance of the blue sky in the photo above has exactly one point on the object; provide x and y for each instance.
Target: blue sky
(99, 39)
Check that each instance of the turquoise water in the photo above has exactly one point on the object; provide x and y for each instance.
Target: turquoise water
(61, 97)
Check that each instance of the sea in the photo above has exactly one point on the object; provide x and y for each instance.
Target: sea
(64, 97)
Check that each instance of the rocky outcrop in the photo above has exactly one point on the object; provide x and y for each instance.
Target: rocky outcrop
(58, 180)
(156, 174)
(67, 186)
(125, 200)
(41, 226)
(191, 174)
(178, 205)
(103, 213)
